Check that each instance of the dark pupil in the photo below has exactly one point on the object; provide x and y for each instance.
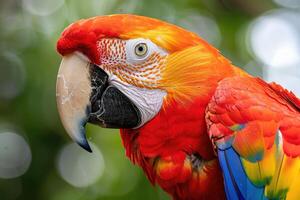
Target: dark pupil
(141, 48)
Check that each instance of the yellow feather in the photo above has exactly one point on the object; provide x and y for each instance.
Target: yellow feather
(260, 173)
(286, 170)
(294, 192)
(193, 72)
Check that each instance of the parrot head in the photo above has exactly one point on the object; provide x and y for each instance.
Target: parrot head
(120, 71)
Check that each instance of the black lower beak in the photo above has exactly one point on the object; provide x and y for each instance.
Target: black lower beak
(110, 108)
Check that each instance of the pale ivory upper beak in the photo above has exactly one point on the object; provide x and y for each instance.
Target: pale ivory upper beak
(73, 90)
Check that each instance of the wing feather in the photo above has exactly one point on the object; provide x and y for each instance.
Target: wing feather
(255, 128)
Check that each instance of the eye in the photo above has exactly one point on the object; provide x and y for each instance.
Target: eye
(141, 49)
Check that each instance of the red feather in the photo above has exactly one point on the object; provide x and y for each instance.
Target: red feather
(161, 148)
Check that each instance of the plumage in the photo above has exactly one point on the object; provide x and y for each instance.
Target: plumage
(219, 132)
(268, 145)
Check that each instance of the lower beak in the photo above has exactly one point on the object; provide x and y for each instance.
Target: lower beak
(83, 95)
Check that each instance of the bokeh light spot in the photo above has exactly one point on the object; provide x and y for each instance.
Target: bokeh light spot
(204, 26)
(274, 40)
(42, 8)
(288, 80)
(15, 155)
(288, 3)
(12, 75)
(79, 167)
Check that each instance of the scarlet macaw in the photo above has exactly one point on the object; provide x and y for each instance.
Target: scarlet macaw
(198, 126)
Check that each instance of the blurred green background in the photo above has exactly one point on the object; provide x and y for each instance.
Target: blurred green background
(38, 160)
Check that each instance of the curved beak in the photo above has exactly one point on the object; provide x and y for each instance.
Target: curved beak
(73, 91)
(83, 94)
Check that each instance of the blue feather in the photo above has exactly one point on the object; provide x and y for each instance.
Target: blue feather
(237, 184)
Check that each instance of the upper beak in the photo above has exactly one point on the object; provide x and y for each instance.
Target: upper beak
(73, 91)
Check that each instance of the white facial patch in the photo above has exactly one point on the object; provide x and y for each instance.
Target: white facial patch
(134, 67)
(148, 101)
